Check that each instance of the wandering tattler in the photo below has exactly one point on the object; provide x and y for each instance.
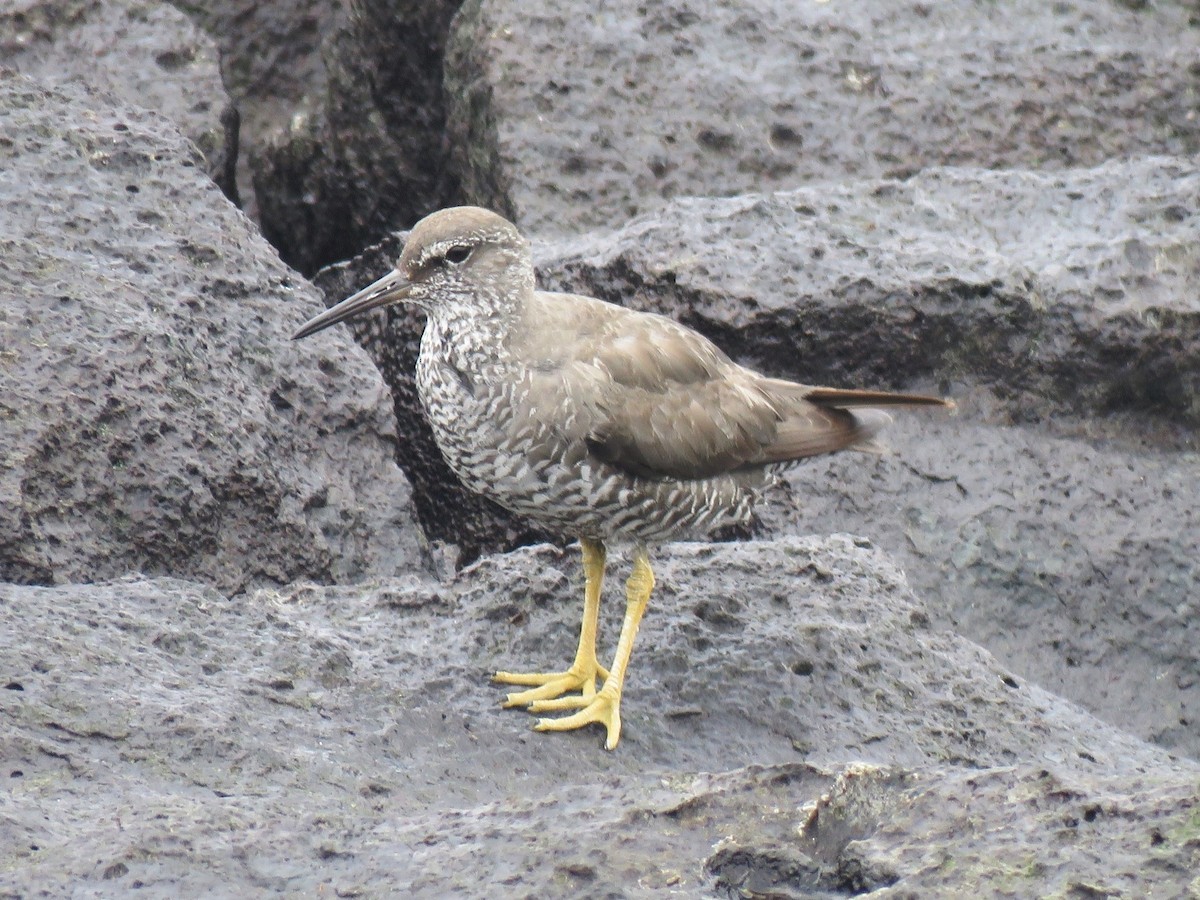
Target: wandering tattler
(594, 420)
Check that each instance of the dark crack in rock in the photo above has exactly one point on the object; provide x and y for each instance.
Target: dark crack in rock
(369, 154)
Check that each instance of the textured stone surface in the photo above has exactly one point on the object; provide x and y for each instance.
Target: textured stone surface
(1017, 831)
(647, 103)
(165, 737)
(1059, 309)
(1072, 558)
(1063, 291)
(144, 53)
(652, 101)
(155, 415)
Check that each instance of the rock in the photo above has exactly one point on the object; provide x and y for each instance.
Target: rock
(791, 720)
(646, 102)
(1068, 295)
(981, 832)
(144, 53)
(1039, 546)
(1063, 291)
(156, 416)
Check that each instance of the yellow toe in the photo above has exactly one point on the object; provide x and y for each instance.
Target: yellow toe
(551, 685)
(604, 709)
(558, 704)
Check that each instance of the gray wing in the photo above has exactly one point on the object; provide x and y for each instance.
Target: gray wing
(656, 399)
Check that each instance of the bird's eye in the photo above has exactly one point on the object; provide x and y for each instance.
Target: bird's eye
(458, 255)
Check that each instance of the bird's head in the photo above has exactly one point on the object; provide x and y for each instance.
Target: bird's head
(463, 256)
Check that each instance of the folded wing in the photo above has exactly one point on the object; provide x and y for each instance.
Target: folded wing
(660, 401)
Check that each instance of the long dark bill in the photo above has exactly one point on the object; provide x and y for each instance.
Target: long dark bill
(391, 288)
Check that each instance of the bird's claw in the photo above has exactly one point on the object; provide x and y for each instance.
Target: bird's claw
(547, 686)
(604, 709)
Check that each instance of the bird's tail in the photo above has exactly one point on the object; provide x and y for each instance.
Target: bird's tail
(869, 418)
(825, 420)
(846, 399)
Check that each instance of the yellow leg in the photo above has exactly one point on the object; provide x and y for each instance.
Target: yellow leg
(605, 707)
(581, 676)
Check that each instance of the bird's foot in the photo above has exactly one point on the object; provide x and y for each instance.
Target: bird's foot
(547, 686)
(603, 709)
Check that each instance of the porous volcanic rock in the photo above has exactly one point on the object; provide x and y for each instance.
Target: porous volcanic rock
(142, 52)
(792, 722)
(568, 118)
(156, 416)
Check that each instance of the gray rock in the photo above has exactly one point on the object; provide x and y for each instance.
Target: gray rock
(142, 52)
(1015, 831)
(1063, 291)
(1070, 557)
(790, 715)
(645, 102)
(156, 416)
(1059, 309)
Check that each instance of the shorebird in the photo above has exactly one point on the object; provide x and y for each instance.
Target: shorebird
(597, 421)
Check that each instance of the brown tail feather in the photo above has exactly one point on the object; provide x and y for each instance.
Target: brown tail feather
(822, 430)
(844, 399)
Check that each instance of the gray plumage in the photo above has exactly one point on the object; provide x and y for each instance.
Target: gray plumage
(589, 418)
(593, 420)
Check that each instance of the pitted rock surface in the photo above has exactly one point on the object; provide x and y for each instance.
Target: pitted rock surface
(792, 723)
(156, 416)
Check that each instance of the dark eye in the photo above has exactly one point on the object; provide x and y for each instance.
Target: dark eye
(458, 255)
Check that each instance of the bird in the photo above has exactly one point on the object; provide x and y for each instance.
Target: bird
(600, 422)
